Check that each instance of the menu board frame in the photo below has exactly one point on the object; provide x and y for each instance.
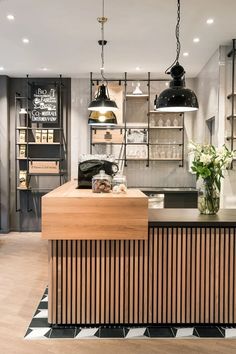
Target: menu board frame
(45, 103)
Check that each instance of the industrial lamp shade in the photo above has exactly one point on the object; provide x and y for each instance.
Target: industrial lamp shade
(177, 98)
(102, 103)
(102, 119)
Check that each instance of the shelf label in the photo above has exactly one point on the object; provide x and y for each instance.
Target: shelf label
(44, 104)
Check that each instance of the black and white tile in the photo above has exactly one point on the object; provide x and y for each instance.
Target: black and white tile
(40, 329)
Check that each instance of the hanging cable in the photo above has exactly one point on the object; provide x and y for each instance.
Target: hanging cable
(178, 45)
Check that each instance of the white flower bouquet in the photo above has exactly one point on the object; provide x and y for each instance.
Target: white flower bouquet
(209, 163)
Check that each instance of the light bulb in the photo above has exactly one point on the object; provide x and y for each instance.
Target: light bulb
(102, 118)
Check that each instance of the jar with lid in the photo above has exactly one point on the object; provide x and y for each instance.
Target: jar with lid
(101, 183)
(119, 184)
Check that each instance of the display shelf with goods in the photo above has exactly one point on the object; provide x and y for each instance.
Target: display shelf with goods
(231, 135)
(40, 140)
(142, 133)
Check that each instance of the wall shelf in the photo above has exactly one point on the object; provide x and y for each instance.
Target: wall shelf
(140, 121)
(30, 151)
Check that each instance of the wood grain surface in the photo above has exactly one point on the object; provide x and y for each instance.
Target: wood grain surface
(73, 214)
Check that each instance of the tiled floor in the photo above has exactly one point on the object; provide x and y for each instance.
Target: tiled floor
(40, 329)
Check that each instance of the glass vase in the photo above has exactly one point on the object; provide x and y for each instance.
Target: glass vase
(208, 198)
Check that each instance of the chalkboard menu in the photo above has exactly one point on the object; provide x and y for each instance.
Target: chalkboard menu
(44, 104)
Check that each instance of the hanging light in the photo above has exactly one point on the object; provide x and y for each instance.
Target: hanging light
(23, 111)
(137, 90)
(177, 98)
(98, 118)
(102, 102)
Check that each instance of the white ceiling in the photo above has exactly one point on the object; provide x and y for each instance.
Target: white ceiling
(63, 35)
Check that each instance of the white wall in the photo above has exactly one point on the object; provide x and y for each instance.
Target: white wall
(207, 90)
(213, 84)
(79, 122)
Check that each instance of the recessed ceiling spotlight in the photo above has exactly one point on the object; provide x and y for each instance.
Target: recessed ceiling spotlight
(185, 54)
(25, 40)
(137, 68)
(196, 40)
(209, 21)
(1, 68)
(10, 17)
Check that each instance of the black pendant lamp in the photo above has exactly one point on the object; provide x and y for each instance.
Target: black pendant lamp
(177, 98)
(101, 119)
(102, 102)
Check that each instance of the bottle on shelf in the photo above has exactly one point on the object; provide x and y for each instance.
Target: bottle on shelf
(155, 103)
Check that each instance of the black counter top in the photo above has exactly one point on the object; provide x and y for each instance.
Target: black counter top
(166, 190)
(191, 218)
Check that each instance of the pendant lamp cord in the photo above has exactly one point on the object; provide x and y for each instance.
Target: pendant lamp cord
(178, 45)
(102, 20)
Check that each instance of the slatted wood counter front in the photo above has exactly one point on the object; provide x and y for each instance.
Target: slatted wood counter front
(184, 272)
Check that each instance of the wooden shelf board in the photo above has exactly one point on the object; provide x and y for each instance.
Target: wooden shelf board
(21, 158)
(165, 159)
(136, 159)
(40, 128)
(23, 189)
(152, 111)
(171, 127)
(130, 95)
(33, 143)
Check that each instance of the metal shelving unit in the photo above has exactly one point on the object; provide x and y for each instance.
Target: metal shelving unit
(59, 147)
(126, 127)
(231, 97)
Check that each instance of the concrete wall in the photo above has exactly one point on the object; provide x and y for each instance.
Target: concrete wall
(4, 155)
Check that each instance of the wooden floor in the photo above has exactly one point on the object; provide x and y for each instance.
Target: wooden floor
(23, 278)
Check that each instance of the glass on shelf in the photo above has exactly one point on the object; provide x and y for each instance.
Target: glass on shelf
(160, 123)
(175, 122)
(152, 122)
(162, 152)
(168, 123)
(169, 152)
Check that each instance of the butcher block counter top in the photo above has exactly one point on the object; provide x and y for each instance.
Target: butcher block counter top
(79, 214)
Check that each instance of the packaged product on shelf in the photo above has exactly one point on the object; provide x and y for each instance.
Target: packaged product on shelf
(44, 136)
(50, 135)
(22, 151)
(38, 134)
(22, 136)
(23, 179)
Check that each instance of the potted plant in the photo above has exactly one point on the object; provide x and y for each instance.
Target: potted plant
(209, 164)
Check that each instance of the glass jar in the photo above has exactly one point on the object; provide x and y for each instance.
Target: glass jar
(208, 198)
(119, 184)
(101, 183)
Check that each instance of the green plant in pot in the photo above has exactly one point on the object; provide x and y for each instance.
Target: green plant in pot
(209, 164)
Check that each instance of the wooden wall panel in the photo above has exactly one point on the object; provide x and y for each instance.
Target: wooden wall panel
(178, 275)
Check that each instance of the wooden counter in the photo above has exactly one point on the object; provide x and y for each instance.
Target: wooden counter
(183, 273)
(79, 214)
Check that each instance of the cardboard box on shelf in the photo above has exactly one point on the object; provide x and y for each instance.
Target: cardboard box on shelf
(50, 136)
(22, 151)
(107, 136)
(38, 136)
(22, 136)
(23, 179)
(44, 136)
(49, 167)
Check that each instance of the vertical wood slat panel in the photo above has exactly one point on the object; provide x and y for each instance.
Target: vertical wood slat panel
(176, 276)
(192, 234)
(93, 283)
(159, 284)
